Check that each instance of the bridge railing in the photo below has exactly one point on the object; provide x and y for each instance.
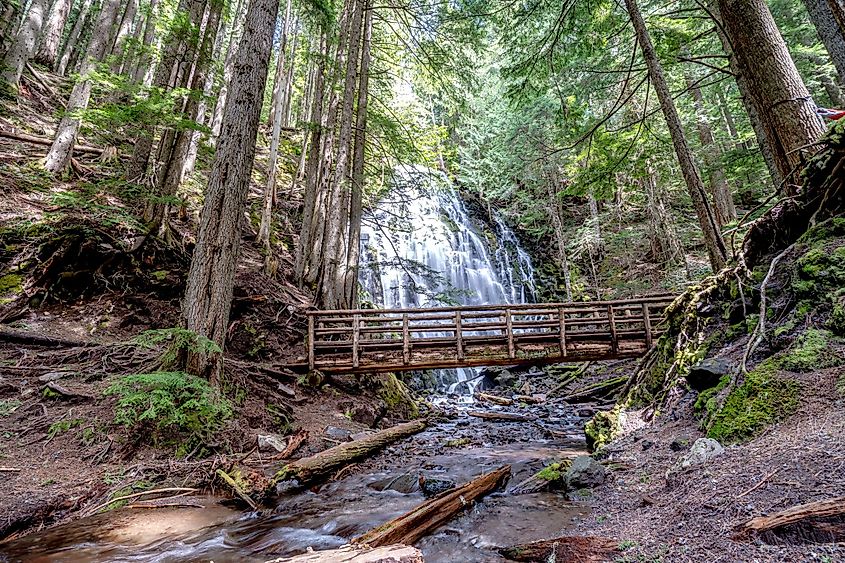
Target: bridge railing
(404, 339)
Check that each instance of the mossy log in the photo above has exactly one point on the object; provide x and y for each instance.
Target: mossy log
(548, 477)
(359, 554)
(815, 522)
(495, 399)
(435, 512)
(309, 470)
(502, 416)
(574, 549)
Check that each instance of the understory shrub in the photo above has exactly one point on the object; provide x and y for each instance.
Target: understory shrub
(171, 407)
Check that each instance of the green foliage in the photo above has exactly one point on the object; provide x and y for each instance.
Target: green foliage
(62, 426)
(763, 399)
(10, 286)
(554, 471)
(8, 406)
(170, 407)
(178, 341)
(812, 351)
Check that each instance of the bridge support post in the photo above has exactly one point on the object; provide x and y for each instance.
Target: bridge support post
(356, 340)
(311, 359)
(561, 317)
(614, 340)
(649, 340)
(459, 337)
(406, 340)
(509, 325)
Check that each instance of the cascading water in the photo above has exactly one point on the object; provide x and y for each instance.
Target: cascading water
(420, 248)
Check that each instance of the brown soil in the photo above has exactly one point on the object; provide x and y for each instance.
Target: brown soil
(693, 516)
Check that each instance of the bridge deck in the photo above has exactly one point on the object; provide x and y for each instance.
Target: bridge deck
(378, 340)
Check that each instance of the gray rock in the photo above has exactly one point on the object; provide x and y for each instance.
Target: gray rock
(432, 486)
(702, 451)
(679, 444)
(707, 373)
(271, 443)
(405, 484)
(584, 473)
(364, 414)
(336, 433)
(505, 379)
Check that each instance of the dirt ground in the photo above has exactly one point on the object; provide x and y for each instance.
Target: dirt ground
(694, 515)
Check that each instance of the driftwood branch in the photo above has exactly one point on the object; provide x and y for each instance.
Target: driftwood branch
(43, 141)
(820, 521)
(358, 554)
(495, 399)
(309, 470)
(435, 512)
(575, 549)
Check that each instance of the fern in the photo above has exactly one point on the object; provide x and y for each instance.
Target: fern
(170, 406)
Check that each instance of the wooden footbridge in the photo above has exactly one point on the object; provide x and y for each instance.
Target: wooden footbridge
(379, 340)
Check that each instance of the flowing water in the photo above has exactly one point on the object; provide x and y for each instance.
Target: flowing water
(421, 248)
(383, 488)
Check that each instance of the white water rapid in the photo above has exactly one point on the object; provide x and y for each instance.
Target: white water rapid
(420, 248)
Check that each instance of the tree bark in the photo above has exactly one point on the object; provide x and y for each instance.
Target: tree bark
(723, 203)
(145, 57)
(51, 35)
(118, 48)
(665, 244)
(712, 236)
(228, 69)
(272, 164)
(773, 82)
(824, 20)
(208, 296)
(23, 46)
(58, 158)
(357, 185)
(435, 512)
(359, 554)
(72, 40)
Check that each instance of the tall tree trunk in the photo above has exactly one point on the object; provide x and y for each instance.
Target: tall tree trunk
(277, 107)
(51, 35)
(145, 55)
(556, 211)
(288, 94)
(173, 146)
(279, 75)
(712, 236)
(228, 69)
(330, 292)
(832, 36)
(208, 295)
(58, 158)
(665, 244)
(353, 258)
(118, 45)
(23, 47)
(837, 8)
(773, 82)
(723, 203)
(72, 40)
(175, 45)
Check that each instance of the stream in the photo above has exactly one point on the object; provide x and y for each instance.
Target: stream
(382, 488)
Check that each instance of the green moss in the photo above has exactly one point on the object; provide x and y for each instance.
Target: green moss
(602, 428)
(10, 286)
(812, 351)
(457, 443)
(836, 321)
(397, 397)
(707, 403)
(762, 399)
(554, 471)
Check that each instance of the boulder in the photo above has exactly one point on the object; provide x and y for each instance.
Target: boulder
(505, 379)
(702, 451)
(707, 373)
(335, 433)
(584, 473)
(406, 483)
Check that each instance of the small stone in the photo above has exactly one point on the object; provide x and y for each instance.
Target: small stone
(271, 442)
(646, 444)
(584, 473)
(433, 486)
(405, 484)
(364, 414)
(679, 444)
(525, 389)
(702, 451)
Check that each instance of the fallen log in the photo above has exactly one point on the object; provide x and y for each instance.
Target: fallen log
(502, 416)
(435, 512)
(17, 337)
(543, 480)
(359, 554)
(308, 470)
(600, 390)
(573, 549)
(236, 488)
(531, 399)
(495, 399)
(816, 522)
(46, 142)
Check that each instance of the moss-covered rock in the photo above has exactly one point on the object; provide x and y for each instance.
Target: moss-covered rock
(602, 428)
(812, 351)
(10, 286)
(763, 398)
(397, 397)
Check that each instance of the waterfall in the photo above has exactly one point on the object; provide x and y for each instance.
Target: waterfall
(420, 248)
